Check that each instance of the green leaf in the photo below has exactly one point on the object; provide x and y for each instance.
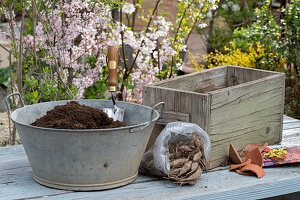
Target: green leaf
(4, 76)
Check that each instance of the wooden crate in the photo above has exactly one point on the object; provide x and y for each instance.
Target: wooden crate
(232, 104)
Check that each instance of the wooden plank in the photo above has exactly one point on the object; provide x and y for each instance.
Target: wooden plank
(10, 152)
(291, 132)
(294, 125)
(182, 101)
(148, 96)
(8, 165)
(192, 107)
(165, 82)
(220, 149)
(210, 186)
(282, 107)
(242, 75)
(169, 116)
(16, 180)
(246, 103)
(18, 183)
(191, 103)
(291, 137)
(239, 75)
(154, 95)
(287, 119)
(157, 129)
(231, 78)
(151, 96)
(200, 106)
(201, 82)
(249, 112)
(221, 129)
(194, 104)
(255, 191)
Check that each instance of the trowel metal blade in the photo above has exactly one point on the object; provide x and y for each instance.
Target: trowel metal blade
(116, 113)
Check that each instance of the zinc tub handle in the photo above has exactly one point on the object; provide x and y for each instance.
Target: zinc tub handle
(161, 112)
(132, 130)
(10, 95)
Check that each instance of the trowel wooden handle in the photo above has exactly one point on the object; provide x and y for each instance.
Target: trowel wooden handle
(113, 52)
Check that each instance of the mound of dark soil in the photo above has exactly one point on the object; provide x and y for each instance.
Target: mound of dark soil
(76, 116)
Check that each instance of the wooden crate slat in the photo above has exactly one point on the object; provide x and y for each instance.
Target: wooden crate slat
(239, 75)
(173, 116)
(154, 95)
(199, 82)
(200, 111)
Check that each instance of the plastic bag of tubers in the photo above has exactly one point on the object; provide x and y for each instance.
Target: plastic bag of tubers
(180, 153)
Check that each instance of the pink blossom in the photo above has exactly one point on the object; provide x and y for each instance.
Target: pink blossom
(128, 8)
(74, 30)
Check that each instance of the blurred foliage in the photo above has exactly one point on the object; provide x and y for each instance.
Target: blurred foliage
(229, 15)
(4, 76)
(275, 35)
(219, 39)
(41, 89)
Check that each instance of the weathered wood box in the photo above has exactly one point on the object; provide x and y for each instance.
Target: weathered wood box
(232, 104)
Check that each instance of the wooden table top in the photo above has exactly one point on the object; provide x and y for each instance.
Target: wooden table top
(16, 180)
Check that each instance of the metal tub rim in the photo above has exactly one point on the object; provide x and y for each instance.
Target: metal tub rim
(85, 130)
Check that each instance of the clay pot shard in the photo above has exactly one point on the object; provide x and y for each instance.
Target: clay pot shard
(251, 147)
(255, 157)
(233, 155)
(233, 167)
(252, 163)
(254, 168)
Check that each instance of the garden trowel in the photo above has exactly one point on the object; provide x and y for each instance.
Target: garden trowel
(116, 113)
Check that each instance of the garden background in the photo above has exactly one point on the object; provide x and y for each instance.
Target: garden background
(57, 50)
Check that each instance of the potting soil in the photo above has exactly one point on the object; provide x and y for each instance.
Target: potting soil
(76, 116)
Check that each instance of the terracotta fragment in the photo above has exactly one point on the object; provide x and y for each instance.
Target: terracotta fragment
(248, 173)
(255, 157)
(251, 147)
(233, 155)
(252, 163)
(232, 167)
(254, 168)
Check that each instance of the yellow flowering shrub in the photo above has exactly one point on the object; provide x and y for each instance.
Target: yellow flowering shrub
(256, 57)
(194, 62)
(236, 57)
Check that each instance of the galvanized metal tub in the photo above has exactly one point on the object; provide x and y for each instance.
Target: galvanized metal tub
(82, 160)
